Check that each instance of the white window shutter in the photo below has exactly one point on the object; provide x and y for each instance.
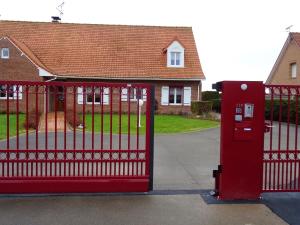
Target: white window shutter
(187, 93)
(144, 93)
(124, 95)
(20, 92)
(164, 95)
(79, 95)
(17, 94)
(105, 96)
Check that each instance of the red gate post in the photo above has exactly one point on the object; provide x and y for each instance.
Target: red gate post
(242, 138)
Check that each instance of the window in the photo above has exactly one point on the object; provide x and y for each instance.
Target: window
(175, 55)
(135, 94)
(93, 96)
(175, 95)
(4, 53)
(293, 70)
(13, 92)
(175, 58)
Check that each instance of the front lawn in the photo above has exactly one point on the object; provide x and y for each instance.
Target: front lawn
(163, 124)
(12, 125)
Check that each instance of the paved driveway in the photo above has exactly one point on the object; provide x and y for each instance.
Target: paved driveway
(183, 162)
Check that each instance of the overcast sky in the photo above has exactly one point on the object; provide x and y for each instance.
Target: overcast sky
(236, 39)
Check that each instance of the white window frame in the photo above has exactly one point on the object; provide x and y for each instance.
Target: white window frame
(3, 56)
(186, 96)
(175, 47)
(175, 95)
(90, 91)
(15, 95)
(82, 96)
(177, 57)
(293, 70)
(126, 95)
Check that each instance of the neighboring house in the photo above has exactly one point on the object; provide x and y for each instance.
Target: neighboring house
(164, 56)
(286, 67)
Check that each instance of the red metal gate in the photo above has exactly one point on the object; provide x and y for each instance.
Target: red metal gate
(281, 168)
(76, 137)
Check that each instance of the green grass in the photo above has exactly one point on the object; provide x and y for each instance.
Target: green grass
(163, 124)
(12, 125)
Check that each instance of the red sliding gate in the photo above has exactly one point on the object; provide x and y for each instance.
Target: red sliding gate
(76, 137)
(281, 157)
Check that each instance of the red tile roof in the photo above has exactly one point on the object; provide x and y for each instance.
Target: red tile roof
(108, 51)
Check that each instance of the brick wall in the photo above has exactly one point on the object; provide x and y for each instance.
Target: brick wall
(161, 109)
(18, 67)
(283, 74)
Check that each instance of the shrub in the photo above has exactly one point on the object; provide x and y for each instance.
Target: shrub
(210, 95)
(33, 120)
(284, 109)
(215, 98)
(201, 107)
(216, 105)
(70, 119)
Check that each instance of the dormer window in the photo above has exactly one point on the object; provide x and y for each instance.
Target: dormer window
(175, 58)
(4, 53)
(175, 54)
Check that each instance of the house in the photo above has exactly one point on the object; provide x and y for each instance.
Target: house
(286, 67)
(52, 51)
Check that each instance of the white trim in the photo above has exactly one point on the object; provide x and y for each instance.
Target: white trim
(45, 73)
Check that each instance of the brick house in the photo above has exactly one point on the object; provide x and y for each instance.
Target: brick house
(285, 69)
(164, 56)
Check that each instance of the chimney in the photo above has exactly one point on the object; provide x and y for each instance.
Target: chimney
(55, 19)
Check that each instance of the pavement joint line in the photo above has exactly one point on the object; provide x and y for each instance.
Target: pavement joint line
(204, 194)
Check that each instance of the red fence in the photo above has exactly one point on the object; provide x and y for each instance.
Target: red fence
(281, 160)
(75, 137)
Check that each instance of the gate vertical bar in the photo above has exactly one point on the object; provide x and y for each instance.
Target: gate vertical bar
(150, 134)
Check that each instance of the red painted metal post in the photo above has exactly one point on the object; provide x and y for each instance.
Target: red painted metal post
(242, 137)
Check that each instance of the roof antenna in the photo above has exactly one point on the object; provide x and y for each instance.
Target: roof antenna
(288, 29)
(60, 9)
(56, 19)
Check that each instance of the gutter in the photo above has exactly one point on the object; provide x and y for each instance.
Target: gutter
(130, 78)
(55, 77)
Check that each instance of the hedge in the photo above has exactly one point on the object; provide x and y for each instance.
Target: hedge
(284, 110)
(201, 107)
(215, 98)
(210, 95)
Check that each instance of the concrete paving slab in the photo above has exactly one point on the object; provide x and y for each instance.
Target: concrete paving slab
(130, 210)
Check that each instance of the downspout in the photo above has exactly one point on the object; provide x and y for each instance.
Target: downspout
(47, 93)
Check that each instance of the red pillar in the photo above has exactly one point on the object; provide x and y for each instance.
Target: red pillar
(242, 134)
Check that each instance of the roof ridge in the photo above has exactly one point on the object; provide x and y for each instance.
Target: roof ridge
(95, 24)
